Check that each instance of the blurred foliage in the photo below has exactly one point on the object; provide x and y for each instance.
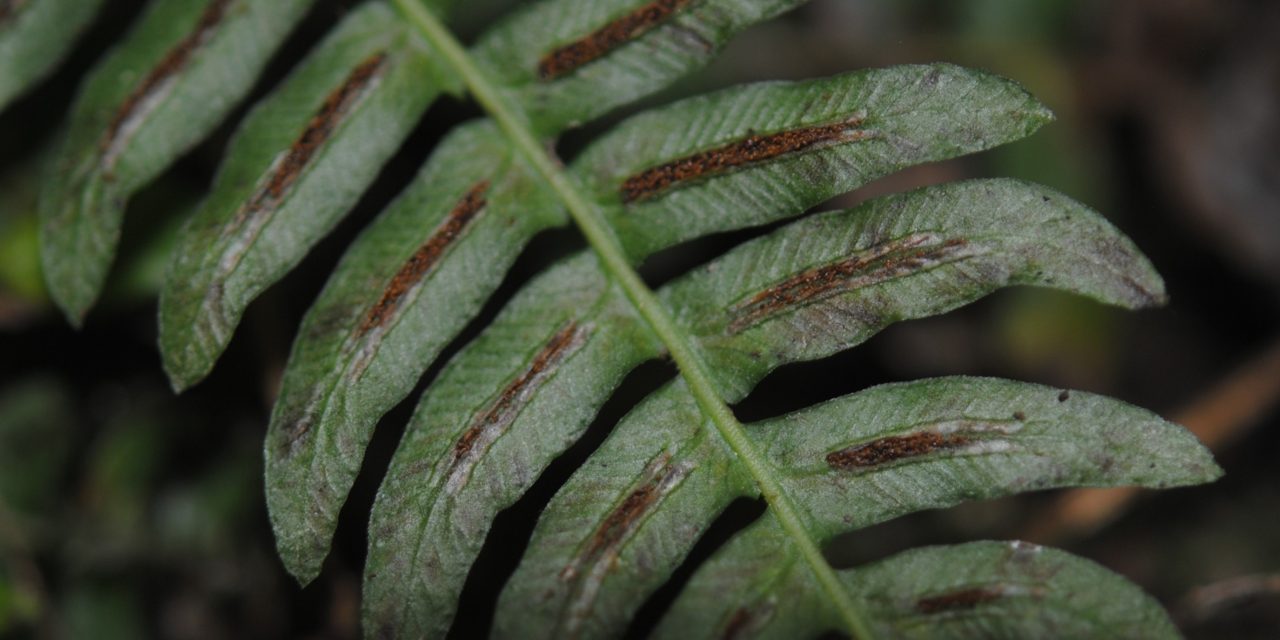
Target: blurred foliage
(20, 275)
(87, 530)
(35, 437)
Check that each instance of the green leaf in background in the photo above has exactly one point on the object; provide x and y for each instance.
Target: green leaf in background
(104, 611)
(19, 251)
(36, 432)
(35, 35)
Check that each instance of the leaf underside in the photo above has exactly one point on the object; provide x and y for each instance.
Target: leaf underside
(177, 74)
(298, 163)
(522, 392)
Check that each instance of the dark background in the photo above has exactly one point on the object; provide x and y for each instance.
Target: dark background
(128, 511)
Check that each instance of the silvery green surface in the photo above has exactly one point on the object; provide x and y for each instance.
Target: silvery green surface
(905, 116)
(228, 254)
(304, 525)
(688, 40)
(431, 516)
(340, 380)
(89, 181)
(1023, 437)
(1018, 235)
(559, 590)
(1087, 440)
(1001, 232)
(1013, 590)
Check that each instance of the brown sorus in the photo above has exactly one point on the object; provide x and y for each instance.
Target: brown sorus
(425, 257)
(962, 600)
(879, 263)
(337, 104)
(567, 58)
(892, 449)
(622, 517)
(737, 625)
(156, 82)
(509, 402)
(658, 478)
(752, 149)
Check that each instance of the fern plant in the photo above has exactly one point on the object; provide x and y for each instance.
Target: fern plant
(524, 390)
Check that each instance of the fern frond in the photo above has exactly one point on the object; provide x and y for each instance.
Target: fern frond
(522, 392)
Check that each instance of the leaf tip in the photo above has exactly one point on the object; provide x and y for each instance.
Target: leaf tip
(1214, 471)
(78, 233)
(1023, 112)
(74, 302)
(303, 570)
(302, 520)
(70, 287)
(1041, 113)
(1020, 113)
(182, 363)
(1147, 289)
(1035, 114)
(1179, 459)
(297, 551)
(1203, 468)
(76, 322)
(179, 381)
(1159, 297)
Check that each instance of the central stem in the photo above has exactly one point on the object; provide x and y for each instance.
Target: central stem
(691, 365)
